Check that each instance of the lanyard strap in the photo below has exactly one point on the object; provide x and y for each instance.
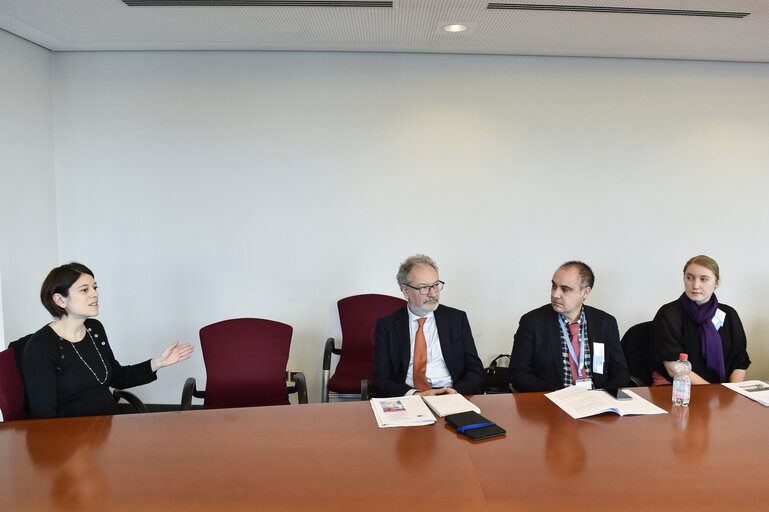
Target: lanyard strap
(581, 363)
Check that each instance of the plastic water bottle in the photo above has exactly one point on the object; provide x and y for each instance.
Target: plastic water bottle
(682, 383)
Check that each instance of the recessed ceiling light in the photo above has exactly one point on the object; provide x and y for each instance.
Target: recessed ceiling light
(455, 28)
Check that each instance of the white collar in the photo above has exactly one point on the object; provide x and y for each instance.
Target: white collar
(414, 318)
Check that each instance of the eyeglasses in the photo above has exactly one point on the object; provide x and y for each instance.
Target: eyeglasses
(424, 290)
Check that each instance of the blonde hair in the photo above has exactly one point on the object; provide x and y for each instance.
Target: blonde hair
(704, 261)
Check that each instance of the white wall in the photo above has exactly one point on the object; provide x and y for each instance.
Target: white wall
(204, 186)
(28, 248)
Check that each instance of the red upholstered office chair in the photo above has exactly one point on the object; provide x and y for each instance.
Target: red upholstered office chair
(245, 362)
(354, 372)
(11, 388)
(638, 346)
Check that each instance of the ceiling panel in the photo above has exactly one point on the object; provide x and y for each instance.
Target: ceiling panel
(407, 26)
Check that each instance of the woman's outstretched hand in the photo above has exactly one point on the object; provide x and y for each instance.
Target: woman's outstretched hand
(172, 355)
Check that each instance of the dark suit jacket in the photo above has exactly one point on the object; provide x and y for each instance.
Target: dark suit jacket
(392, 352)
(536, 363)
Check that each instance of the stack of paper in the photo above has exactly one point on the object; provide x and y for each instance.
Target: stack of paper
(753, 389)
(404, 411)
(443, 405)
(579, 402)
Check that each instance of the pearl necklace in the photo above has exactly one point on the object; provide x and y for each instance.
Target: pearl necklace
(106, 371)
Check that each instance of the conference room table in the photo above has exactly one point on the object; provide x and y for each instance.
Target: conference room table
(711, 455)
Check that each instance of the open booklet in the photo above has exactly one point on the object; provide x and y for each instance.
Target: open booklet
(443, 405)
(754, 389)
(579, 402)
(402, 411)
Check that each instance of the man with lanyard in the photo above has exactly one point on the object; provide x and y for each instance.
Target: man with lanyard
(425, 347)
(567, 343)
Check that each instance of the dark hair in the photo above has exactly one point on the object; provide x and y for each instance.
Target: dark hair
(586, 276)
(59, 280)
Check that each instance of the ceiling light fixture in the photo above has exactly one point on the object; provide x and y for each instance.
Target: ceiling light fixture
(455, 28)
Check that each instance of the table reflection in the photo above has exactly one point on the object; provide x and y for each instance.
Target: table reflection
(691, 424)
(77, 480)
(416, 449)
(565, 452)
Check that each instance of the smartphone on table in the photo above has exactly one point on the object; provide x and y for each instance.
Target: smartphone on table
(618, 394)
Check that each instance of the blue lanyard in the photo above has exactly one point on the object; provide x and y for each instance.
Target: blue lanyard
(566, 336)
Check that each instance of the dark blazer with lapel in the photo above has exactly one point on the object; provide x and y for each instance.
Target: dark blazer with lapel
(392, 352)
(536, 363)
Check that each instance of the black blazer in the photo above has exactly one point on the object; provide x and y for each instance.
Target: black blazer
(536, 363)
(392, 352)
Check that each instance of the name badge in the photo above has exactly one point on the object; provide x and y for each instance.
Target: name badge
(718, 319)
(584, 383)
(598, 358)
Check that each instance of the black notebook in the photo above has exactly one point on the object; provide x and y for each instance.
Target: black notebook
(474, 426)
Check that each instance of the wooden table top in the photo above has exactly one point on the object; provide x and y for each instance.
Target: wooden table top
(334, 457)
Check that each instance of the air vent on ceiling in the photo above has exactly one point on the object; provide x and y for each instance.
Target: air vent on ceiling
(616, 10)
(256, 3)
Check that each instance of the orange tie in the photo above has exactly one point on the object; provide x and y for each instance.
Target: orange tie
(420, 358)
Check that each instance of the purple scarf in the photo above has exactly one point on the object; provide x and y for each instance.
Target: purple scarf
(712, 349)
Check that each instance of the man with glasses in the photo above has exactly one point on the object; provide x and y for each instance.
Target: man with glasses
(424, 347)
(567, 343)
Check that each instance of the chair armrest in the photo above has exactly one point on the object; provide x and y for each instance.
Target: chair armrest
(635, 382)
(132, 399)
(190, 390)
(300, 385)
(327, 351)
(365, 390)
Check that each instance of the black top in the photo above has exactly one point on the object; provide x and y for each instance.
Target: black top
(59, 383)
(675, 332)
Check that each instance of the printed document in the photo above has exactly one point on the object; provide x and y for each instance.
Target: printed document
(402, 411)
(754, 389)
(579, 402)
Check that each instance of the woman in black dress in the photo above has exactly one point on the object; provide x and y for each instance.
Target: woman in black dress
(68, 365)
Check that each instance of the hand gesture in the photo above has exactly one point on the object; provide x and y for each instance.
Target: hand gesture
(172, 355)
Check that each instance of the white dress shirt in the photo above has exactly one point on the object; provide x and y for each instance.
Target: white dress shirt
(437, 372)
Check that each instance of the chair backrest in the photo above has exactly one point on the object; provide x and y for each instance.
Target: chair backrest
(245, 362)
(11, 387)
(358, 315)
(638, 346)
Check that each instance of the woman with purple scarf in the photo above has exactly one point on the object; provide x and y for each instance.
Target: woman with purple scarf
(698, 325)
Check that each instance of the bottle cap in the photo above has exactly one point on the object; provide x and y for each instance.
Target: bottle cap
(683, 357)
